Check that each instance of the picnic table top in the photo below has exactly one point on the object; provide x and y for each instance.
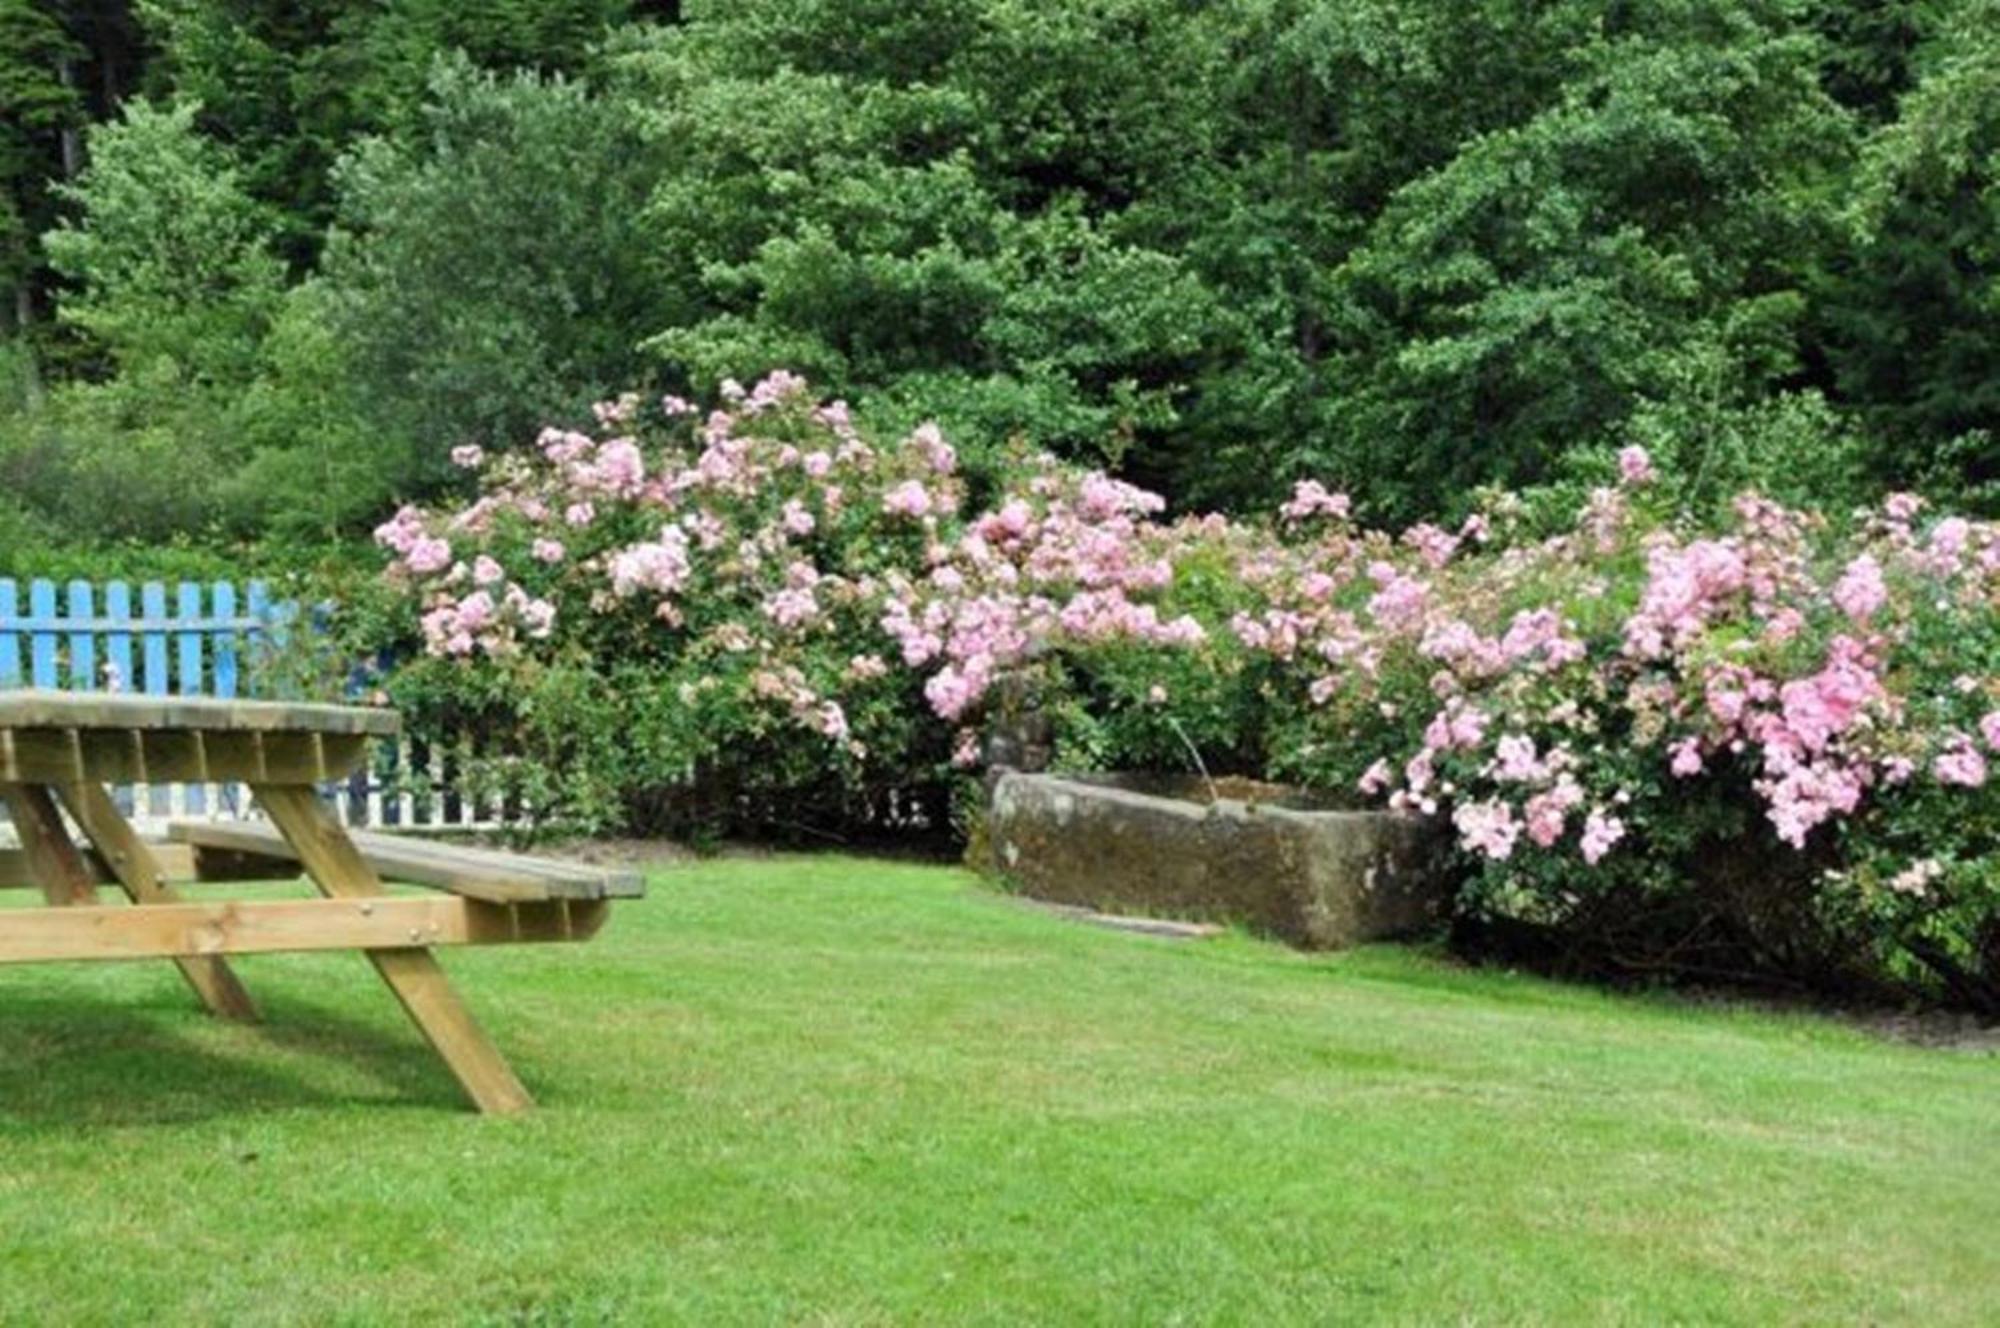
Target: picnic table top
(40, 708)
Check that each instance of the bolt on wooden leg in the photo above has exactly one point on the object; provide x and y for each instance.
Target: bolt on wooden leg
(338, 869)
(138, 871)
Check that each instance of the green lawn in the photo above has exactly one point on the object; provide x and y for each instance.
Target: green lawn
(840, 1091)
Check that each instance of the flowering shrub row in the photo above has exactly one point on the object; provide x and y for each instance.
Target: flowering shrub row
(1758, 745)
(1761, 746)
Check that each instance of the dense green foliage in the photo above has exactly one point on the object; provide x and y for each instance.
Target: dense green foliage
(294, 86)
(1405, 248)
(1912, 317)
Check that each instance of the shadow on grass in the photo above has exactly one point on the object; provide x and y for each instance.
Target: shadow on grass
(78, 1063)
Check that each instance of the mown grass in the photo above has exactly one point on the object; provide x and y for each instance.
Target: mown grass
(839, 1091)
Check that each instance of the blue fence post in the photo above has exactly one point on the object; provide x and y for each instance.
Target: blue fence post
(222, 603)
(41, 637)
(10, 640)
(82, 638)
(188, 664)
(153, 638)
(258, 602)
(118, 640)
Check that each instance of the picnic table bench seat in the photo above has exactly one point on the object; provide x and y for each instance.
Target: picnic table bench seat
(236, 850)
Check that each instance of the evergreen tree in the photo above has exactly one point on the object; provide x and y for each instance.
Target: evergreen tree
(37, 107)
(1911, 317)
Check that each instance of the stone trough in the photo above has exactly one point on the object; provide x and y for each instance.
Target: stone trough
(1259, 855)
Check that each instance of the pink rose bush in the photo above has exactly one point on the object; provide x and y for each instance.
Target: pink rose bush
(664, 599)
(1761, 742)
(1069, 588)
(1719, 749)
(765, 599)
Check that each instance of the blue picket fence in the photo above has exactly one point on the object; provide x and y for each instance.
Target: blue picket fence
(204, 639)
(82, 637)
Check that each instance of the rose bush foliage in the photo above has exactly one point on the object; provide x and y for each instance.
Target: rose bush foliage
(1755, 745)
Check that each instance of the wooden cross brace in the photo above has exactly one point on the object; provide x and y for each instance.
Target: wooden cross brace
(355, 912)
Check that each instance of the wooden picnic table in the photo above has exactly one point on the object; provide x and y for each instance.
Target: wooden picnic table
(59, 750)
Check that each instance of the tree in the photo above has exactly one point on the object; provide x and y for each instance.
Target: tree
(972, 210)
(168, 259)
(173, 283)
(36, 107)
(294, 84)
(494, 271)
(1911, 320)
(1418, 247)
(1666, 209)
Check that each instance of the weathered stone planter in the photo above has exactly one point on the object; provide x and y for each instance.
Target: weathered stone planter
(1260, 855)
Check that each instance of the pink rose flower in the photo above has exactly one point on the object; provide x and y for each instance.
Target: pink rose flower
(1635, 467)
(1600, 833)
(1960, 764)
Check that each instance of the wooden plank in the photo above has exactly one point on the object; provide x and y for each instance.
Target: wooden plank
(224, 652)
(153, 756)
(42, 643)
(118, 659)
(581, 880)
(257, 845)
(404, 761)
(145, 882)
(53, 860)
(276, 616)
(261, 645)
(176, 862)
(337, 867)
(571, 880)
(103, 622)
(386, 927)
(153, 605)
(47, 708)
(481, 873)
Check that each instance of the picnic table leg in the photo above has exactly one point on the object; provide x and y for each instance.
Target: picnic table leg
(53, 860)
(138, 871)
(338, 869)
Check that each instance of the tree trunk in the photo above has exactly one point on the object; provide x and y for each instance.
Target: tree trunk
(24, 317)
(72, 140)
